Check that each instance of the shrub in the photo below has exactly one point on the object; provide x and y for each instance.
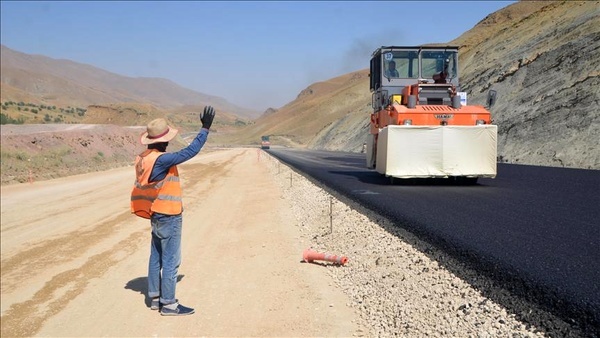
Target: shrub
(5, 119)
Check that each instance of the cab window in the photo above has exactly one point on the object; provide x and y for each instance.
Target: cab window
(433, 62)
(406, 62)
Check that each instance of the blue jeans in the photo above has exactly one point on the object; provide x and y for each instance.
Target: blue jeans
(165, 254)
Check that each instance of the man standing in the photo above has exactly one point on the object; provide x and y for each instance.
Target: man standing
(156, 195)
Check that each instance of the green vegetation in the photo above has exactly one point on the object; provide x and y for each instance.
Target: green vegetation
(18, 165)
(24, 110)
(5, 119)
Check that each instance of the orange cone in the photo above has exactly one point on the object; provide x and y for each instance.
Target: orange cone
(310, 255)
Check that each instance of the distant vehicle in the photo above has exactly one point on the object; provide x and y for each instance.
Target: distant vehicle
(265, 143)
(421, 125)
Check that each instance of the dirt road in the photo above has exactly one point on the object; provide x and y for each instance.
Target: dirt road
(74, 259)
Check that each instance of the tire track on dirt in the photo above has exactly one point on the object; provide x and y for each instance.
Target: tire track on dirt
(200, 177)
(47, 215)
(49, 253)
(25, 319)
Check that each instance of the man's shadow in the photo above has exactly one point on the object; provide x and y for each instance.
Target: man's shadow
(140, 285)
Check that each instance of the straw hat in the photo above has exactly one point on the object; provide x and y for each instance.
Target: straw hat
(158, 131)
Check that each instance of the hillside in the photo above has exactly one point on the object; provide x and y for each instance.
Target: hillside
(37, 78)
(541, 58)
(308, 120)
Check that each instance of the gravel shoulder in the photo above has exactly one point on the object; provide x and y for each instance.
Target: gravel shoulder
(74, 263)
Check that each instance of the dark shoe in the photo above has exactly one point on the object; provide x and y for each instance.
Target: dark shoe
(179, 311)
(155, 304)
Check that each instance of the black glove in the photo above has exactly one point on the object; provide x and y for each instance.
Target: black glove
(207, 117)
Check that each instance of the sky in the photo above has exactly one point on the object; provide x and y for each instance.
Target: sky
(255, 54)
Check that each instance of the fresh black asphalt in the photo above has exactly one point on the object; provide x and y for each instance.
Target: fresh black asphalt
(534, 229)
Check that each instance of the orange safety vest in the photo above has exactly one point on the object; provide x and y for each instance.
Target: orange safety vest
(162, 196)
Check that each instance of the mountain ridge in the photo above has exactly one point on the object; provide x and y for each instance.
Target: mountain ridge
(62, 82)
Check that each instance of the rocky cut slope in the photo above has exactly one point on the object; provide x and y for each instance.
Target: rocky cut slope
(543, 60)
